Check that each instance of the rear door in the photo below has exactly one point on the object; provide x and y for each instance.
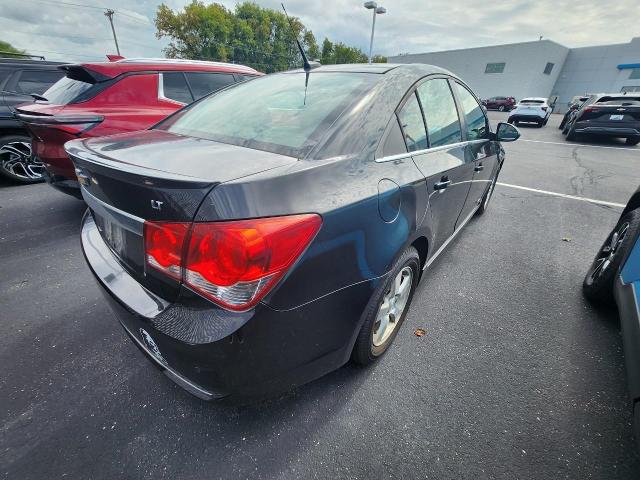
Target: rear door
(479, 151)
(441, 156)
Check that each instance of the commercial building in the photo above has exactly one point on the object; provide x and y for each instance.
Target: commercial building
(540, 69)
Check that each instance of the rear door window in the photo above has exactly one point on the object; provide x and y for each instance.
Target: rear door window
(412, 124)
(440, 112)
(175, 87)
(37, 81)
(204, 83)
(475, 118)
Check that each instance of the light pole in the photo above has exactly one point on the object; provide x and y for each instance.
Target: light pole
(376, 11)
(109, 14)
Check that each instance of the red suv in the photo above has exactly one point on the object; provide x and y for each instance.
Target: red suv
(97, 99)
(504, 104)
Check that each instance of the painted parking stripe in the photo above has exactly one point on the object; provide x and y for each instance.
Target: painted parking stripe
(563, 195)
(566, 144)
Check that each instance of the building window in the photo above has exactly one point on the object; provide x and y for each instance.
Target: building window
(635, 88)
(635, 74)
(548, 68)
(495, 67)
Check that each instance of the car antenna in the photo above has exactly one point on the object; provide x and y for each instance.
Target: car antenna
(306, 65)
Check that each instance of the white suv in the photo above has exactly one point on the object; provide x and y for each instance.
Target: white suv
(531, 109)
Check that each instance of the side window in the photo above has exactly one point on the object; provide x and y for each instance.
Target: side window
(204, 83)
(476, 120)
(175, 87)
(440, 112)
(412, 123)
(37, 81)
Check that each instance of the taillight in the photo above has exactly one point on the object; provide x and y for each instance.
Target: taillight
(233, 263)
(590, 109)
(163, 244)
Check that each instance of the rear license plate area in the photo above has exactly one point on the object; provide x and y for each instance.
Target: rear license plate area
(616, 117)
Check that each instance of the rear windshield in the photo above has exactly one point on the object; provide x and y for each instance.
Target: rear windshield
(66, 90)
(273, 113)
(621, 100)
(531, 102)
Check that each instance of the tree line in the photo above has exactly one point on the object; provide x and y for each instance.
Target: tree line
(249, 34)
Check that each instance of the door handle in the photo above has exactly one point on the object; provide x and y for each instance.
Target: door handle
(478, 168)
(442, 184)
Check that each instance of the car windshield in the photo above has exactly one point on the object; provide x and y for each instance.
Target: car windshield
(273, 113)
(66, 90)
(621, 100)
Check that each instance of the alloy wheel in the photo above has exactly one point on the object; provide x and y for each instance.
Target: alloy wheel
(608, 252)
(17, 159)
(393, 305)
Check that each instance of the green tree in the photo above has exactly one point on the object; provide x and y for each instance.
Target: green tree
(326, 57)
(7, 47)
(379, 59)
(252, 35)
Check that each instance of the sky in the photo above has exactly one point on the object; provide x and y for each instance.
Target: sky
(66, 30)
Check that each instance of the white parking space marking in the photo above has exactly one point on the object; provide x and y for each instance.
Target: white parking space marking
(580, 145)
(563, 195)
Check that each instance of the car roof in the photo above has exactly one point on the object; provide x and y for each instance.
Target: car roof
(28, 63)
(113, 69)
(379, 68)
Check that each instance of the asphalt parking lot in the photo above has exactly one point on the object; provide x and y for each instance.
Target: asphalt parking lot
(516, 377)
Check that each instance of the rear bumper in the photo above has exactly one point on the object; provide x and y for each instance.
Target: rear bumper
(607, 130)
(63, 184)
(213, 353)
(521, 117)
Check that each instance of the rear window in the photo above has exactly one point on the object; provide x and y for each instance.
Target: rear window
(273, 113)
(66, 90)
(621, 100)
(37, 81)
(531, 102)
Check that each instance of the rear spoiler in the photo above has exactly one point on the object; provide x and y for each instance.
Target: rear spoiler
(79, 72)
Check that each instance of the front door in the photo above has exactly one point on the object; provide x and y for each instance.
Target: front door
(480, 151)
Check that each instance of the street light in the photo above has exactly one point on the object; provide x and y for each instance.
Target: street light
(376, 11)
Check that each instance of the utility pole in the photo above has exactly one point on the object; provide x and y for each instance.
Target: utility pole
(109, 14)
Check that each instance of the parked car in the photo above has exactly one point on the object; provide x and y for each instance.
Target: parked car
(503, 104)
(531, 110)
(19, 78)
(97, 99)
(574, 105)
(615, 115)
(264, 235)
(614, 276)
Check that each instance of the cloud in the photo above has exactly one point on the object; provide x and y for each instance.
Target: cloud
(83, 34)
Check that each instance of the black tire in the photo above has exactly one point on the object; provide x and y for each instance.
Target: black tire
(501, 108)
(571, 134)
(562, 123)
(540, 123)
(599, 280)
(364, 350)
(632, 141)
(510, 120)
(16, 160)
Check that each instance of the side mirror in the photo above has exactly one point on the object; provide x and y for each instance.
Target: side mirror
(507, 132)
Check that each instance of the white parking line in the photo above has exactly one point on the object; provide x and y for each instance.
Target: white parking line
(563, 195)
(566, 144)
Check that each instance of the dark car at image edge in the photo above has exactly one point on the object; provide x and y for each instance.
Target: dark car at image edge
(614, 115)
(19, 79)
(264, 235)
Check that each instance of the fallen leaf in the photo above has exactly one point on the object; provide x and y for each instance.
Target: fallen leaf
(420, 332)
